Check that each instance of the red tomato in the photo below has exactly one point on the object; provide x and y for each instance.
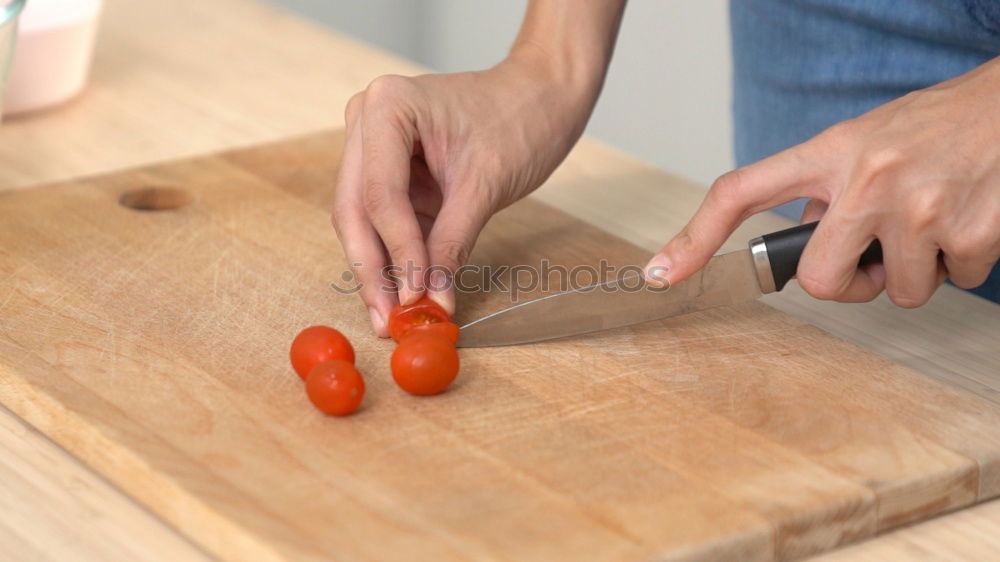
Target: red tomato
(446, 330)
(424, 364)
(335, 387)
(316, 344)
(424, 311)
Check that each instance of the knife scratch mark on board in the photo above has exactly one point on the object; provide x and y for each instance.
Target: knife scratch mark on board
(6, 300)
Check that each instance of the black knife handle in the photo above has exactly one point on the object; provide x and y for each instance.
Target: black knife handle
(776, 255)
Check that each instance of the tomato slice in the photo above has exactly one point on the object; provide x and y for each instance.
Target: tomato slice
(424, 364)
(424, 311)
(335, 387)
(446, 330)
(316, 344)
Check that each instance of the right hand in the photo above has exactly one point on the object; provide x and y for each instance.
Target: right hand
(429, 159)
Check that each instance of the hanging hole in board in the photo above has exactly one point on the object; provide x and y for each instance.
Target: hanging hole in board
(155, 199)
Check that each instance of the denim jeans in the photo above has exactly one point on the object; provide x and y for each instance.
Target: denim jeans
(800, 66)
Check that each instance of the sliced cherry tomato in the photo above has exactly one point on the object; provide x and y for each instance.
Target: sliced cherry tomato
(424, 364)
(424, 311)
(335, 387)
(316, 344)
(446, 330)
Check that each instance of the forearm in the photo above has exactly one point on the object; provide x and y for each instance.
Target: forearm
(570, 43)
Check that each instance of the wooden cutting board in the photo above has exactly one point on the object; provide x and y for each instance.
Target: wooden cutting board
(153, 345)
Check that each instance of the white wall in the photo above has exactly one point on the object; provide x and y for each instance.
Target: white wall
(667, 98)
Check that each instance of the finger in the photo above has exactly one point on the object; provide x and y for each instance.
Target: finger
(352, 109)
(866, 284)
(425, 195)
(387, 146)
(813, 211)
(361, 244)
(450, 242)
(972, 247)
(968, 274)
(913, 270)
(828, 268)
(735, 196)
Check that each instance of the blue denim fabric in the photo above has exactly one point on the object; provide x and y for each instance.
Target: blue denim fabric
(800, 66)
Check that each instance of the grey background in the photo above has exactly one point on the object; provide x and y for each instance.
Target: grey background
(667, 97)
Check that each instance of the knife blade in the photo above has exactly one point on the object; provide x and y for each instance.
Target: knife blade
(765, 266)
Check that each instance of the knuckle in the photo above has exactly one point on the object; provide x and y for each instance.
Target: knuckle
(338, 217)
(876, 173)
(681, 245)
(968, 279)
(818, 286)
(387, 87)
(376, 197)
(353, 106)
(971, 245)
(882, 157)
(925, 207)
(401, 251)
(728, 188)
(961, 250)
(395, 249)
(451, 253)
(840, 132)
(875, 168)
(905, 298)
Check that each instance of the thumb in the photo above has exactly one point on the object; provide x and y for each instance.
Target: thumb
(449, 244)
(732, 198)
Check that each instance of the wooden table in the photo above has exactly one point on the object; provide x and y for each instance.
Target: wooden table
(194, 77)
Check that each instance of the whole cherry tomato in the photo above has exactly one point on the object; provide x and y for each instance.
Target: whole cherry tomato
(316, 344)
(424, 364)
(335, 387)
(446, 330)
(424, 311)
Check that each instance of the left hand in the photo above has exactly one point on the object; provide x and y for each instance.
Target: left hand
(921, 174)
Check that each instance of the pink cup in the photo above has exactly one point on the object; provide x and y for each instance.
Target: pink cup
(55, 43)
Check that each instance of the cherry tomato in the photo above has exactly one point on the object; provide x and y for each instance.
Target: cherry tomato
(446, 330)
(335, 387)
(424, 364)
(316, 344)
(424, 311)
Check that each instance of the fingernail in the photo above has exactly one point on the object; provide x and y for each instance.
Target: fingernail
(377, 321)
(444, 297)
(408, 295)
(439, 290)
(656, 271)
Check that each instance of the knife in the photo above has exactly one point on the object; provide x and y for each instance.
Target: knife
(765, 266)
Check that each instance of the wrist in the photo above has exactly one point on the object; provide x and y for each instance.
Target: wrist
(574, 76)
(566, 91)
